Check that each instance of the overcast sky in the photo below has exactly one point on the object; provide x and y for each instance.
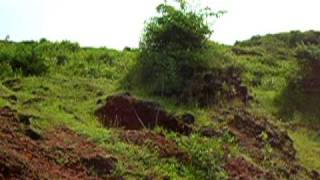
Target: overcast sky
(119, 23)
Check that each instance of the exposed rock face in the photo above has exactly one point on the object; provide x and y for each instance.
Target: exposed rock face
(249, 129)
(130, 113)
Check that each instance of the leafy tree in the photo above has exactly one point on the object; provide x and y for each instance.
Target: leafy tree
(175, 39)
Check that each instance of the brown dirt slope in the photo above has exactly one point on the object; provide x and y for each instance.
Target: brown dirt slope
(57, 154)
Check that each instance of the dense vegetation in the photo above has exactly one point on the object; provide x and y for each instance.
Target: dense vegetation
(172, 41)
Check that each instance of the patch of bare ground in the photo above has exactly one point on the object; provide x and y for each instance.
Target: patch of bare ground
(58, 154)
(255, 134)
(239, 168)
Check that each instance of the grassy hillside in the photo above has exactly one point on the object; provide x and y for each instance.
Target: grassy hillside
(56, 84)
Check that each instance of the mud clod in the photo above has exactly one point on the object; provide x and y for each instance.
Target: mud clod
(132, 114)
(100, 165)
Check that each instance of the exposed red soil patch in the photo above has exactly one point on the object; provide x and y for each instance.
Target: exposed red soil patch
(59, 154)
(239, 168)
(153, 141)
(132, 114)
(249, 130)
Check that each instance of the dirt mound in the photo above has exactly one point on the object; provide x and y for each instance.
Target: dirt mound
(250, 131)
(132, 114)
(153, 141)
(239, 168)
(59, 154)
(255, 134)
(207, 87)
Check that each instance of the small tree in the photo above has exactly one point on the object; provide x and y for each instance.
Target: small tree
(171, 41)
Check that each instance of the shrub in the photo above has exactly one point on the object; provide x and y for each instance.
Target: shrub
(174, 40)
(5, 70)
(23, 59)
(308, 52)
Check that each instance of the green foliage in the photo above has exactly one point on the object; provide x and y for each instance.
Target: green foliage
(308, 52)
(77, 78)
(178, 37)
(206, 155)
(21, 58)
(307, 144)
(287, 40)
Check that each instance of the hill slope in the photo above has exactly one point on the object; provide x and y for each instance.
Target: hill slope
(50, 92)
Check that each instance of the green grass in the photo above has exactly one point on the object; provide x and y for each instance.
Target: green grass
(307, 144)
(57, 100)
(68, 95)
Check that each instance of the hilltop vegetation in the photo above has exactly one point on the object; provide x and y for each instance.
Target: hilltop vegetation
(245, 111)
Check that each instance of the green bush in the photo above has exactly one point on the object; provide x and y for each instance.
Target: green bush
(21, 58)
(177, 38)
(308, 52)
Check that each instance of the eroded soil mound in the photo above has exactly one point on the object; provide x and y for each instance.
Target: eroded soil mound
(265, 142)
(132, 114)
(207, 87)
(254, 132)
(153, 141)
(239, 168)
(58, 154)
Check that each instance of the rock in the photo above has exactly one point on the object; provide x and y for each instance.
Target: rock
(130, 113)
(33, 134)
(26, 118)
(188, 118)
(100, 165)
(210, 132)
(99, 101)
